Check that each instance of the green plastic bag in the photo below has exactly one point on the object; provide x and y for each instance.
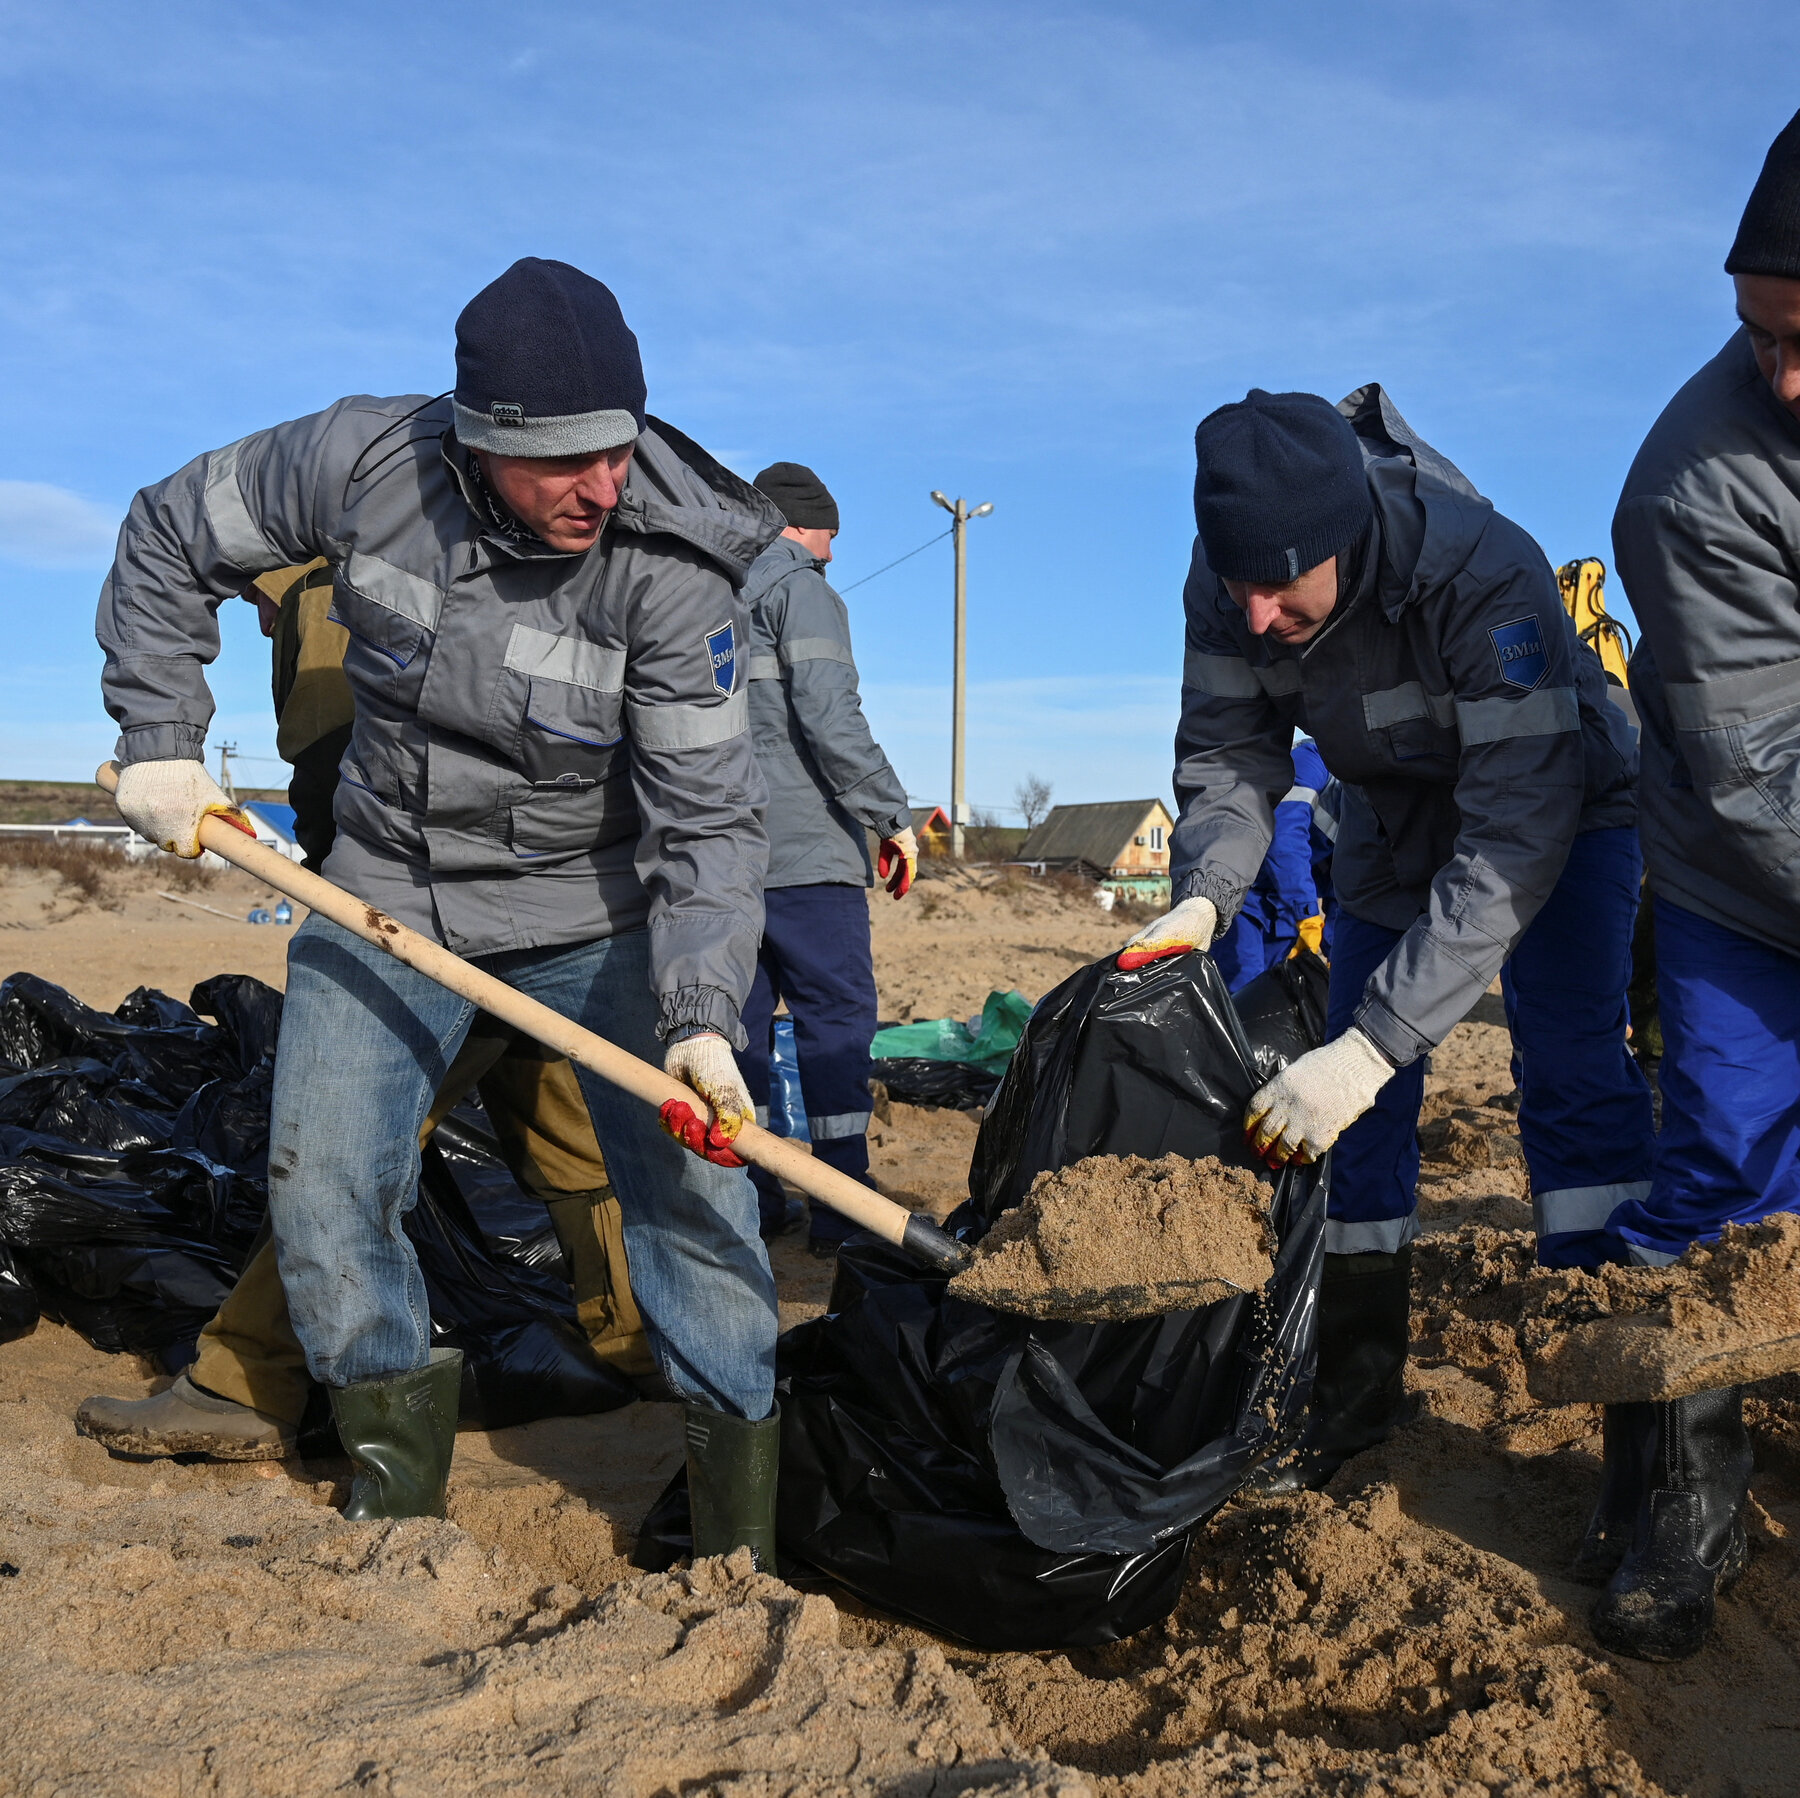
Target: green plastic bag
(988, 1048)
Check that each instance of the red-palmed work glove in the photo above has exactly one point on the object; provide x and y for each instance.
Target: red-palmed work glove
(1189, 926)
(898, 862)
(706, 1063)
(165, 801)
(1314, 1100)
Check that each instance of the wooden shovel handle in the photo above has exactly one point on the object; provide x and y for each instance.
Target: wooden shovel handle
(918, 1235)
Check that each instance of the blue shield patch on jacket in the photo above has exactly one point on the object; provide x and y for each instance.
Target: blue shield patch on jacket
(1519, 649)
(721, 650)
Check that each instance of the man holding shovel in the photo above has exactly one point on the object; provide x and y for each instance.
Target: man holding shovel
(1349, 580)
(550, 774)
(1707, 539)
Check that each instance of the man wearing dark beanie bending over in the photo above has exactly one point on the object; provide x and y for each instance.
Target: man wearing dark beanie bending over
(1349, 580)
(1707, 541)
(550, 772)
(829, 784)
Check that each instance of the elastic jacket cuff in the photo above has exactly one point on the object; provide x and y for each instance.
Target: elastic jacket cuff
(691, 1010)
(892, 827)
(1210, 883)
(161, 743)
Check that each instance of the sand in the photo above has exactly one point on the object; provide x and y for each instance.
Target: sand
(1118, 1236)
(1719, 1316)
(179, 1629)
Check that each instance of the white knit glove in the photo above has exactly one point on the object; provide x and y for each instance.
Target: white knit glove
(1189, 926)
(1310, 1103)
(897, 863)
(165, 801)
(706, 1063)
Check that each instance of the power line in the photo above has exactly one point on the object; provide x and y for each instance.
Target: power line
(895, 564)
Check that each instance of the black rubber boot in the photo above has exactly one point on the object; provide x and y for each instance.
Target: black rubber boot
(1630, 1438)
(399, 1434)
(1689, 1544)
(1359, 1391)
(732, 1467)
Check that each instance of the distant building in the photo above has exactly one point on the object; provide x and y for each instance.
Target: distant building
(931, 825)
(1123, 844)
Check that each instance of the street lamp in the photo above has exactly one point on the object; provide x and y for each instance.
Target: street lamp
(959, 811)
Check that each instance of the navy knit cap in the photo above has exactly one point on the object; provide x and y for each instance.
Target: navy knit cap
(1279, 486)
(546, 365)
(1768, 238)
(804, 499)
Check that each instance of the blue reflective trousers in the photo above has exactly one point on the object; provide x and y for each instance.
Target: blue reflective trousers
(1729, 1150)
(815, 955)
(1584, 1110)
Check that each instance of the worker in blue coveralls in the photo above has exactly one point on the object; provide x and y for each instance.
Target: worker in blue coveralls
(1707, 540)
(1293, 884)
(1349, 580)
(829, 786)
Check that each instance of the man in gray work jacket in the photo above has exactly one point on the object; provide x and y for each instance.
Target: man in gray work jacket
(1707, 540)
(829, 784)
(1349, 580)
(550, 772)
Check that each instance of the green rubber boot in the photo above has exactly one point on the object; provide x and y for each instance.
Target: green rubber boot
(400, 1433)
(732, 1467)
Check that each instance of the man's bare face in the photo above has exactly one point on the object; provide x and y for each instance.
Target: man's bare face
(564, 500)
(1769, 305)
(1294, 612)
(813, 539)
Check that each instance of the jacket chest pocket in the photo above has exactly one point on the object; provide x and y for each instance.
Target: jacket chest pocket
(569, 734)
(389, 616)
(1416, 729)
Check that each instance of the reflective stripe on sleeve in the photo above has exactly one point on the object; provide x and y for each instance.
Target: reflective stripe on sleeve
(1224, 677)
(242, 543)
(1378, 1236)
(1582, 1207)
(1401, 704)
(689, 726)
(837, 1126)
(815, 649)
(395, 590)
(1544, 713)
(1729, 699)
(762, 668)
(568, 659)
(1279, 678)
(1299, 796)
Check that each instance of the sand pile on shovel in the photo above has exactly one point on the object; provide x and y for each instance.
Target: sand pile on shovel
(1720, 1316)
(1117, 1236)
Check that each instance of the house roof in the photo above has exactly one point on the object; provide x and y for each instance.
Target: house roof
(929, 817)
(1097, 834)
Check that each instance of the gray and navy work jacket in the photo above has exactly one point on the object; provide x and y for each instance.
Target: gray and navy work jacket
(1707, 541)
(1466, 723)
(548, 748)
(827, 776)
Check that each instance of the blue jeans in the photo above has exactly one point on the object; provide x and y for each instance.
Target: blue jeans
(1584, 1107)
(815, 955)
(365, 1043)
(1729, 1150)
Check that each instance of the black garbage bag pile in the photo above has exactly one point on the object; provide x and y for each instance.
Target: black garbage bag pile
(1021, 1484)
(134, 1181)
(951, 1085)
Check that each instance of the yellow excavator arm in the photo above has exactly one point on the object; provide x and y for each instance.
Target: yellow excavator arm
(1583, 587)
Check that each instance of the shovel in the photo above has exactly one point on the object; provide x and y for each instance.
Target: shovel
(918, 1236)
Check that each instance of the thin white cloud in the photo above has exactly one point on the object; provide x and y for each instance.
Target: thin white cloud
(49, 527)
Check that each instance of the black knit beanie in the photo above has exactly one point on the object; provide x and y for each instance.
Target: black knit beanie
(1279, 486)
(546, 365)
(804, 499)
(1768, 238)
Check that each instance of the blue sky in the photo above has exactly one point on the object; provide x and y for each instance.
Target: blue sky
(1014, 252)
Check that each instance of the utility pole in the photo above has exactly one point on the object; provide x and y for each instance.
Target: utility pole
(226, 752)
(960, 515)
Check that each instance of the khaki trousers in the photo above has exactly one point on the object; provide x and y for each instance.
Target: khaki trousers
(249, 1351)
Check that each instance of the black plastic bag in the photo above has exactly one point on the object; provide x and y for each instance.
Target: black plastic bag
(18, 1295)
(1033, 1485)
(955, 1085)
(524, 1355)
